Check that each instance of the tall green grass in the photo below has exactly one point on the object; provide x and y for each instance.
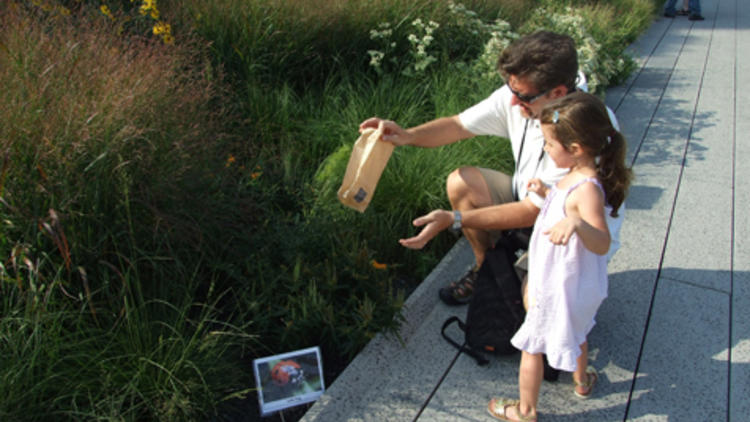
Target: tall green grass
(156, 361)
(107, 308)
(304, 42)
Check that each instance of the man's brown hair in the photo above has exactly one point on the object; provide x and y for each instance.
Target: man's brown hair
(544, 58)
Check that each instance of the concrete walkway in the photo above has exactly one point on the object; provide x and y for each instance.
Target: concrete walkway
(672, 341)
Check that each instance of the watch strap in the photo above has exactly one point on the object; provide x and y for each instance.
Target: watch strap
(456, 220)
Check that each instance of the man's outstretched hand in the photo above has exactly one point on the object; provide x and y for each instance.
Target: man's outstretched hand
(434, 222)
(392, 132)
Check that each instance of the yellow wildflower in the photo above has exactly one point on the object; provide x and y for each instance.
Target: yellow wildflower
(168, 39)
(255, 175)
(154, 14)
(230, 160)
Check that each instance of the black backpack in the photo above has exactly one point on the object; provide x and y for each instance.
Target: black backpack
(496, 308)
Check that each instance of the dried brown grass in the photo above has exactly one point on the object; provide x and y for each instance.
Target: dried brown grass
(84, 101)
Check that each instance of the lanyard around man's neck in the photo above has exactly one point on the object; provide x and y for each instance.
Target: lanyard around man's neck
(518, 161)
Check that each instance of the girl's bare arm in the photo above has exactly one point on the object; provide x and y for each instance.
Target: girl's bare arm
(585, 216)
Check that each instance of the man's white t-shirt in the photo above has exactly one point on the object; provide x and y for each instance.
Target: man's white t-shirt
(495, 116)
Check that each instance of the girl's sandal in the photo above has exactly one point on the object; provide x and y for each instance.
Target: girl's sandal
(591, 378)
(497, 409)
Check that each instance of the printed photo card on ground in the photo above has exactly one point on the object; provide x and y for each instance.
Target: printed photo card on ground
(288, 379)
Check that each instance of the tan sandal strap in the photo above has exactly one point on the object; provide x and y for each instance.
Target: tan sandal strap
(521, 417)
(502, 403)
(590, 378)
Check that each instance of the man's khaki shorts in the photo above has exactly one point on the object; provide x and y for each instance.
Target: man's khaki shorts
(500, 186)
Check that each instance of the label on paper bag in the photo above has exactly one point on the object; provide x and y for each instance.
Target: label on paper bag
(366, 163)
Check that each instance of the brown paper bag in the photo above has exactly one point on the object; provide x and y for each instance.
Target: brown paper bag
(366, 164)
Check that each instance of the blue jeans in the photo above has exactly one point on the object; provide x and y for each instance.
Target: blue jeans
(693, 5)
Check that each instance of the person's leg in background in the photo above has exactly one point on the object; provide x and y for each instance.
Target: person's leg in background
(669, 10)
(695, 10)
(685, 8)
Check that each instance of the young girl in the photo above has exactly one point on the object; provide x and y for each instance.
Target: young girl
(567, 279)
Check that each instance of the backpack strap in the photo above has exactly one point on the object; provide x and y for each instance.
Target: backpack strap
(481, 360)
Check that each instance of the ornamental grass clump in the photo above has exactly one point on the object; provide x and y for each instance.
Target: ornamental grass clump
(90, 112)
(108, 310)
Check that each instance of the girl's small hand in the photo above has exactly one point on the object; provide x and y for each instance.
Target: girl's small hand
(560, 233)
(434, 222)
(538, 187)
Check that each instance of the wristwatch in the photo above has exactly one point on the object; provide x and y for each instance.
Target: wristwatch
(456, 220)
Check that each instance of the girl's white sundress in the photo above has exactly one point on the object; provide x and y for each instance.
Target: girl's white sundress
(567, 283)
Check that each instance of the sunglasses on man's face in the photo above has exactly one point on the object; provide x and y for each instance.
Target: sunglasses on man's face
(528, 99)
